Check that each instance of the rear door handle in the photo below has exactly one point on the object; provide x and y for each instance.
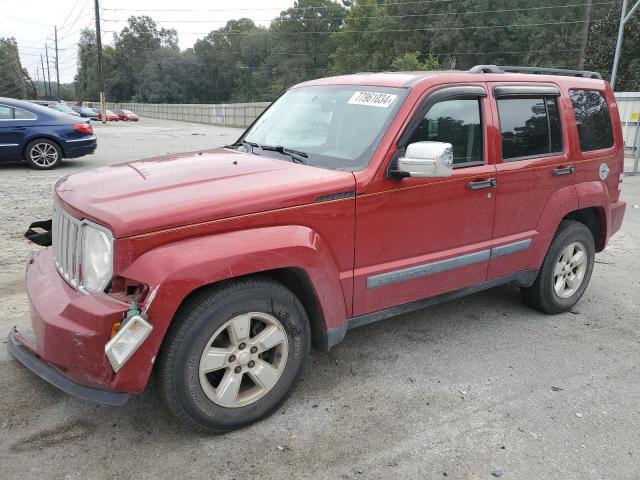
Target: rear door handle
(19, 129)
(490, 182)
(564, 170)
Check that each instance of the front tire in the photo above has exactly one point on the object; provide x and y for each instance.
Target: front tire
(43, 154)
(233, 354)
(566, 270)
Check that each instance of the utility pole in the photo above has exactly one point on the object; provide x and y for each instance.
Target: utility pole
(585, 34)
(46, 51)
(57, 69)
(624, 17)
(38, 81)
(103, 100)
(44, 78)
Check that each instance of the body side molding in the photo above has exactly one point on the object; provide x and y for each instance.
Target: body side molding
(425, 269)
(331, 338)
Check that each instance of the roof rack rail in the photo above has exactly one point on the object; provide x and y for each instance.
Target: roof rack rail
(536, 70)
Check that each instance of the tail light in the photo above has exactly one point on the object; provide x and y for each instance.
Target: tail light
(83, 128)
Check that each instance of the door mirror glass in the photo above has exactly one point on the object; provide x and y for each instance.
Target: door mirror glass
(427, 160)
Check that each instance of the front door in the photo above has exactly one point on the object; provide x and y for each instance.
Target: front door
(420, 237)
(14, 125)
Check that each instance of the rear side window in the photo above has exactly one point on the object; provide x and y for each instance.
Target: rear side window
(530, 127)
(23, 114)
(456, 122)
(592, 119)
(10, 113)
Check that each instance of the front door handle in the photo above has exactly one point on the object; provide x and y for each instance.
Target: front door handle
(490, 182)
(564, 170)
(19, 129)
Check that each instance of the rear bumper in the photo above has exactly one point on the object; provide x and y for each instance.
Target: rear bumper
(70, 331)
(58, 379)
(80, 147)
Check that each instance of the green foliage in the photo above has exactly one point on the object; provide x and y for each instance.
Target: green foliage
(410, 62)
(15, 81)
(602, 44)
(242, 61)
(67, 90)
(86, 80)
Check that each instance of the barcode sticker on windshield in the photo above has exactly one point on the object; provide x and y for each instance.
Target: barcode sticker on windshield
(372, 99)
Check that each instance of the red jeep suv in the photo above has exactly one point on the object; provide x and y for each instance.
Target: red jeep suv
(349, 200)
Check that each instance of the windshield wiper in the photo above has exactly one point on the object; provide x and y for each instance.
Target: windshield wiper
(296, 155)
(243, 143)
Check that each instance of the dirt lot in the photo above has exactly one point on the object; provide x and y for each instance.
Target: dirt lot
(475, 389)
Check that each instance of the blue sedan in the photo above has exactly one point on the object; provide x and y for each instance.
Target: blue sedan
(42, 136)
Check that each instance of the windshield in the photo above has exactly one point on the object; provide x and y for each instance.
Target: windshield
(336, 126)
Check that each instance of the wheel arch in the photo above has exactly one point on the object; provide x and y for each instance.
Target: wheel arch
(594, 219)
(293, 278)
(45, 137)
(294, 255)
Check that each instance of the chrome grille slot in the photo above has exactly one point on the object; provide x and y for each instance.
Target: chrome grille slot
(67, 242)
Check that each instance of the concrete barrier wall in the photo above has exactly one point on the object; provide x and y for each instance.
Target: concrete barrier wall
(228, 114)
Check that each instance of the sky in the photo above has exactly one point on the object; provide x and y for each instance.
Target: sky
(32, 23)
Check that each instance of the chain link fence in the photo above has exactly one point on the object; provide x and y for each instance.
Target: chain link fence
(227, 114)
(243, 114)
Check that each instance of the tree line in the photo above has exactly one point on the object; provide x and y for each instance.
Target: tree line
(242, 61)
(14, 79)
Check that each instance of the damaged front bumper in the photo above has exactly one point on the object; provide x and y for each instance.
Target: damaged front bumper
(70, 331)
(55, 377)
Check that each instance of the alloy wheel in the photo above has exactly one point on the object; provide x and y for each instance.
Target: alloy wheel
(43, 155)
(570, 270)
(243, 360)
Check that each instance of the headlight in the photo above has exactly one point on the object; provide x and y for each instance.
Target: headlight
(97, 258)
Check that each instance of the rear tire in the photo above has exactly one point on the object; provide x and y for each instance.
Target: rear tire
(233, 354)
(566, 270)
(43, 154)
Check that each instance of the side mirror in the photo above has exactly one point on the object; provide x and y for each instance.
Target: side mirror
(426, 160)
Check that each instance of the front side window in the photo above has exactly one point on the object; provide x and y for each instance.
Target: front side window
(6, 113)
(457, 122)
(337, 126)
(530, 126)
(592, 119)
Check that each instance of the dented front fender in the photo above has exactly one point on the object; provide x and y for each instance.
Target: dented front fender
(175, 270)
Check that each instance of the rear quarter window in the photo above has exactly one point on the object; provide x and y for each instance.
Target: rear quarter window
(592, 120)
(23, 114)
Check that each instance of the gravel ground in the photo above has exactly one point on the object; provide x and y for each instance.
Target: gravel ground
(475, 389)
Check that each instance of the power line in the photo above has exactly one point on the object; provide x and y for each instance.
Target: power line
(186, 62)
(396, 30)
(64, 22)
(413, 15)
(264, 9)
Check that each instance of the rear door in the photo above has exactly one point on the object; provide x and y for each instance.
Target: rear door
(532, 163)
(14, 126)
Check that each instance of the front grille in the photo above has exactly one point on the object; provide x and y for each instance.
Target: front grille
(66, 236)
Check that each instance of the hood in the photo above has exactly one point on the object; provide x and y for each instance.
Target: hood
(184, 189)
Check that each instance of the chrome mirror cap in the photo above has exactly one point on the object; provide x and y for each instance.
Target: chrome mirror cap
(427, 160)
